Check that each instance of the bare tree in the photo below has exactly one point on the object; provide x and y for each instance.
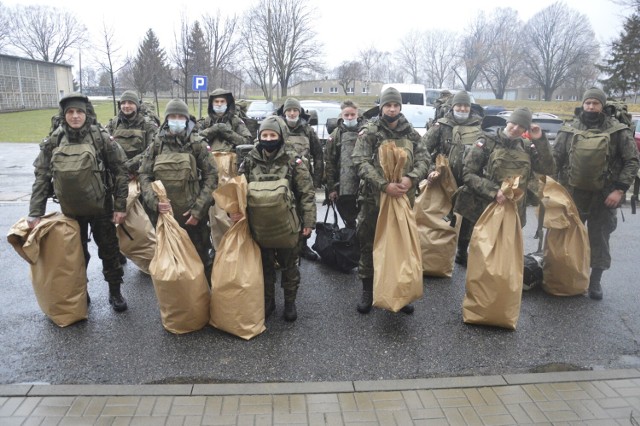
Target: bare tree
(108, 58)
(556, 37)
(4, 26)
(291, 44)
(409, 56)
(439, 55)
(181, 56)
(257, 59)
(372, 61)
(505, 53)
(347, 74)
(475, 45)
(222, 42)
(45, 33)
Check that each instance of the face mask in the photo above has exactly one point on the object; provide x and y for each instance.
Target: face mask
(460, 115)
(292, 122)
(177, 126)
(390, 119)
(350, 123)
(219, 109)
(269, 146)
(592, 117)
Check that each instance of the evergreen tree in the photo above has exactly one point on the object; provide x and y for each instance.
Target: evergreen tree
(150, 70)
(198, 52)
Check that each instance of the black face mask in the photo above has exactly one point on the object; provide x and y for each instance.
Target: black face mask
(591, 118)
(389, 119)
(269, 146)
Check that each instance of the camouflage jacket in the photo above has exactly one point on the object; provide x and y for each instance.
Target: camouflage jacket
(107, 150)
(316, 168)
(285, 162)
(483, 178)
(134, 136)
(333, 155)
(623, 156)
(224, 132)
(365, 156)
(438, 139)
(189, 142)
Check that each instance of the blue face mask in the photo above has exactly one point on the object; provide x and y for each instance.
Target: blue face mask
(219, 109)
(177, 126)
(350, 123)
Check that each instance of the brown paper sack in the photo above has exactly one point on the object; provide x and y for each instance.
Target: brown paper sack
(438, 239)
(397, 259)
(237, 284)
(218, 219)
(178, 275)
(496, 263)
(58, 276)
(567, 254)
(136, 236)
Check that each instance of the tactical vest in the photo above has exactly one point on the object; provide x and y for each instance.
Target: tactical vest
(79, 176)
(178, 172)
(589, 156)
(271, 210)
(463, 139)
(300, 144)
(406, 145)
(349, 179)
(131, 141)
(505, 163)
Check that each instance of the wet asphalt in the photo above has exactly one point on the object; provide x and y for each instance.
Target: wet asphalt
(330, 341)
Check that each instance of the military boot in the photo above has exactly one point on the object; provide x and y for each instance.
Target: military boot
(116, 300)
(461, 255)
(366, 301)
(269, 306)
(290, 312)
(308, 254)
(123, 259)
(595, 288)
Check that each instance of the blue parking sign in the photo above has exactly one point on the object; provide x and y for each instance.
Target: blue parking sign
(199, 82)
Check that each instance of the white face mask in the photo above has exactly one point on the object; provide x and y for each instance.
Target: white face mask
(351, 123)
(219, 109)
(292, 122)
(460, 115)
(177, 126)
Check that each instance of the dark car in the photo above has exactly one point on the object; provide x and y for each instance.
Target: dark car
(549, 123)
(493, 109)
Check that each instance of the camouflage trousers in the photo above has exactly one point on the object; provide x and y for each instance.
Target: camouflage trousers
(104, 234)
(600, 220)
(367, 220)
(290, 273)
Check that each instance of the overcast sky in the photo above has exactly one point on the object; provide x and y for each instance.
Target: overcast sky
(343, 27)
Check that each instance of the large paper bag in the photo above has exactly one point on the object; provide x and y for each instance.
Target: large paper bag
(136, 236)
(397, 259)
(438, 239)
(567, 254)
(495, 265)
(54, 252)
(178, 275)
(237, 284)
(218, 219)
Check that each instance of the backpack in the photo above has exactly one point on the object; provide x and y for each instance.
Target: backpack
(463, 139)
(179, 174)
(148, 110)
(619, 111)
(79, 177)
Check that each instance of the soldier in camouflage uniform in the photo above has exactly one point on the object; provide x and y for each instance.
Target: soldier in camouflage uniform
(223, 128)
(496, 157)
(391, 126)
(77, 128)
(598, 202)
(272, 156)
(180, 159)
(304, 140)
(341, 175)
(453, 136)
(133, 131)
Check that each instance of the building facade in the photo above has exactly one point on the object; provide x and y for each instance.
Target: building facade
(331, 87)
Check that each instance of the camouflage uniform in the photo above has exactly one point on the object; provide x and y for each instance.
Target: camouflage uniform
(284, 163)
(341, 174)
(623, 165)
(190, 143)
(483, 174)
(223, 132)
(102, 227)
(365, 157)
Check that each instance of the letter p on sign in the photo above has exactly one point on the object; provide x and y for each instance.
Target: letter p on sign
(199, 82)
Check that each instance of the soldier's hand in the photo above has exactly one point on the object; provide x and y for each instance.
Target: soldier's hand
(614, 199)
(432, 177)
(306, 232)
(164, 207)
(396, 190)
(500, 198)
(119, 217)
(333, 195)
(192, 219)
(33, 222)
(236, 216)
(535, 132)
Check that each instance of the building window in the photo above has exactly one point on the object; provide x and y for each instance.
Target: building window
(573, 98)
(559, 97)
(532, 96)
(349, 89)
(365, 89)
(317, 90)
(333, 90)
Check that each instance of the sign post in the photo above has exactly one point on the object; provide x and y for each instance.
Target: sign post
(199, 84)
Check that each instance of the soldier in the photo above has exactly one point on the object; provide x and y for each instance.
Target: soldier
(80, 190)
(453, 135)
(180, 159)
(496, 157)
(271, 157)
(304, 140)
(223, 128)
(342, 177)
(391, 126)
(597, 160)
(132, 130)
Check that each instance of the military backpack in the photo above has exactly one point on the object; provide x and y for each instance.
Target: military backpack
(463, 139)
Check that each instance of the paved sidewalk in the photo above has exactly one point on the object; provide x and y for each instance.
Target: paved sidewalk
(605, 397)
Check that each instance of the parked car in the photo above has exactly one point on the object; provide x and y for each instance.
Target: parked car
(258, 110)
(549, 123)
(320, 112)
(493, 109)
(419, 116)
